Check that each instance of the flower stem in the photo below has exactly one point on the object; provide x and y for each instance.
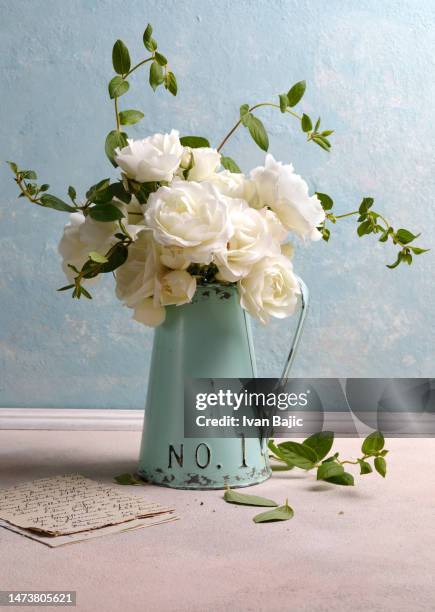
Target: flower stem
(117, 114)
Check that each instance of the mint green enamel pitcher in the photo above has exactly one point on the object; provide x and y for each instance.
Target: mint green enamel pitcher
(208, 338)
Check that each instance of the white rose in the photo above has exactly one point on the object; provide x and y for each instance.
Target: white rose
(176, 287)
(251, 240)
(136, 283)
(205, 162)
(270, 289)
(81, 236)
(174, 258)
(155, 158)
(190, 215)
(286, 193)
(231, 184)
(149, 313)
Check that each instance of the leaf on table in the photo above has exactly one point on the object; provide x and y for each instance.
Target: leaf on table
(233, 497)
(282, 513)
(128, 479)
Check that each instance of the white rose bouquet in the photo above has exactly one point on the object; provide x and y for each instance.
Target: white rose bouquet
(182, 215)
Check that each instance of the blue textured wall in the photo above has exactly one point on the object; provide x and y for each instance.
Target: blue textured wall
(369, 67)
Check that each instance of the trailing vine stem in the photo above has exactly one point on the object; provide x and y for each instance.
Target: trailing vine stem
(251, 109)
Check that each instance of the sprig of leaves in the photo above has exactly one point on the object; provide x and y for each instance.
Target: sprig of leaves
(371, 222)
(286, 103)
(37, 194)
(313, 453)
(159, 74)
(292, 98)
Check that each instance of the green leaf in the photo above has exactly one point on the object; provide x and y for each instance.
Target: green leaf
(85, 292)
(97, 257)
(117, 257)
(118, 191)
(160, 59)
(156, 75)
(405, 236)
(258, 133)
(280, 454)
(128, 479)
(120, 58)
(130, 117)
(418, 251)
(114, 139)
(244, 109)
(306, 124)
(321, 443)
(328, 470)
(283, 102)
(105, 213)
(148, 41)
(300, 455)
(282, 513)
(13, 166)
(320, 141)
(117, 87)
(281, 468)
(326, 201)
(381, 466)
(344, 479)
(194, 142)
(171, 83)
(365, 227)
(296, 92)
(325, 233)
(373, 443)
(51, 201)
(101, 186)
(229, 164)
(397, 262)
(316, 127)
(233, 497)
(365, 205)
(29, 174)
(148, 33)
(71, 192)
(365, 467)
(66, 288)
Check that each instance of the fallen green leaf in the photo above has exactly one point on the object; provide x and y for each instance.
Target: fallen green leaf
(128, 479)
(282, 513)
(233, 497)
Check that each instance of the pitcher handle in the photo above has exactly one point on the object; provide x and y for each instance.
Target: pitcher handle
(305, 298)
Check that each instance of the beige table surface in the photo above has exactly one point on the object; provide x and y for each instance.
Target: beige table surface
(370, 547)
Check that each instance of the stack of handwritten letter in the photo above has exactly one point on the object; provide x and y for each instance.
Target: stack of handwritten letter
(67, 509)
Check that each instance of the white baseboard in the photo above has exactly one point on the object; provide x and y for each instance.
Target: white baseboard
(70, 419)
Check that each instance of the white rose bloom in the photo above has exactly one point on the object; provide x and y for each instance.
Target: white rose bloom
(190, 215)
(155, 158)
(270, 289)
(286, 193)
(136, 281)
(81, 236)
(176, 287)
(205, 162)
(174, 258)
(149, 313)
(231, 184)
(251, 240)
